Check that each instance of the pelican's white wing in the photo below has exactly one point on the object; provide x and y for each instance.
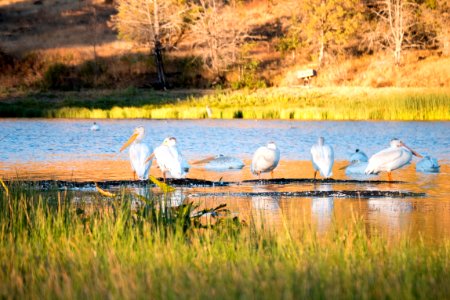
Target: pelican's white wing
(178, 166)
(169, 159)
(323, 159)
(265, 160)
(357, 168)
(138, 154)
(388, 159)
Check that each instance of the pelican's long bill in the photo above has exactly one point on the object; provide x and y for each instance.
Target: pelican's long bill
(204, 161)
(412, 151)
(149, 158)
(130, 140)
(344, 166)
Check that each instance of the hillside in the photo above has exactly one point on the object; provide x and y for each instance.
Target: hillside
(78, 38)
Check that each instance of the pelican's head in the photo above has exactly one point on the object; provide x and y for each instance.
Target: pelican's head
(170, 141)
(321, 141)
(140, 131)
(395, 143)
(138, 135)
(272, 145)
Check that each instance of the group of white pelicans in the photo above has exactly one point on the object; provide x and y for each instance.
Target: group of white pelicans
(266, 158)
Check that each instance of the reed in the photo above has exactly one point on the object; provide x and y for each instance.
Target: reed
(343, 103)
(52, 246)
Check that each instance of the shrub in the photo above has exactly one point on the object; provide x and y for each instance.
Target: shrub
(59, 77)
(249, 78)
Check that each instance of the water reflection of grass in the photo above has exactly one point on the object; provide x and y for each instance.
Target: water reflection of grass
(299, 104)
(51, 248)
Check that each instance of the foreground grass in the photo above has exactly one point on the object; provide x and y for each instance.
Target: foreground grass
(51, 248)
(340, 103)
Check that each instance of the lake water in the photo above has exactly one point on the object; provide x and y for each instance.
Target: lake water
(67, 149)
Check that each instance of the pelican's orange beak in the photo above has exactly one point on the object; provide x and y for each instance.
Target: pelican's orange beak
(412, 151)
(128, 143)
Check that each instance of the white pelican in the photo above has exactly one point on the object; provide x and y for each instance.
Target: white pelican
(358, 156)
(428, 165)
(95, 127)
(221, 162)
(392, 158)
(138, 153)
(265, 159)
(169, 159)
(358, 163)
(322, 157)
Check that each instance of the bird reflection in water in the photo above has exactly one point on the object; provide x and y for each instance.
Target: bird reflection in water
(266, 209)
(390, 213)
(322, 208)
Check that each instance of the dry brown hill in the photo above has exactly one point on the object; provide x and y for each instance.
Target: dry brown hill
(35, 35)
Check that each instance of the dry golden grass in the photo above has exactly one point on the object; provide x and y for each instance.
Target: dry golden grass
(378, 71)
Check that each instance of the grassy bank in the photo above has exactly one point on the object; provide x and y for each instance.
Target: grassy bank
(340, 103)
(50, 248)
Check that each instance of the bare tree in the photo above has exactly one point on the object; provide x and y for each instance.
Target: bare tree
(157, 24)
(218, 32)
(397, 18)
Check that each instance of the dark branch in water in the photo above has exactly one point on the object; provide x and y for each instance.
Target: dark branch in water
(311, 180)
(189, 182)
(334, 194)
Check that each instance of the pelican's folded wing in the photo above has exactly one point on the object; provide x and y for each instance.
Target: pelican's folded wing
(380, 161)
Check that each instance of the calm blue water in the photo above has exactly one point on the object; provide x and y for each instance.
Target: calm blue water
(23, 140)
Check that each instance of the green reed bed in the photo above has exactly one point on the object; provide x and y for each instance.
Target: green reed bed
(52, 246)
(340, 103)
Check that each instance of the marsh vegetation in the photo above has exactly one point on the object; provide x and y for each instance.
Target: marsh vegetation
(344, 103)
(54, 244)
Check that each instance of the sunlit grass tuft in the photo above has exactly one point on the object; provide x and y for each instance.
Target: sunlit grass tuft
(52, 246)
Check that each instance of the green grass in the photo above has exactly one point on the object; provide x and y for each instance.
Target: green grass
(343, 103)
(51, 247)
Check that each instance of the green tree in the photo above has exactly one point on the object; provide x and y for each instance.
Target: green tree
(329, 24)
(157, 24)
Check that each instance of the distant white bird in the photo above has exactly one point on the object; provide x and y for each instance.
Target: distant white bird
(265, 159)
(95, 127)
(208, 112)
(169, 159)
(358, 163)
(392, 158)
(221, 162)
(138, 153)
(322, 156)
(428, 165)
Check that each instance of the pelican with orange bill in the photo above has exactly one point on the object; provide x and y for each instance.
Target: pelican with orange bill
(139, 152)
(390, 159)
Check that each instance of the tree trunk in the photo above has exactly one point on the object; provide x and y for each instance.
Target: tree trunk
(160, 66)
(321, 49)
(398, 52)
